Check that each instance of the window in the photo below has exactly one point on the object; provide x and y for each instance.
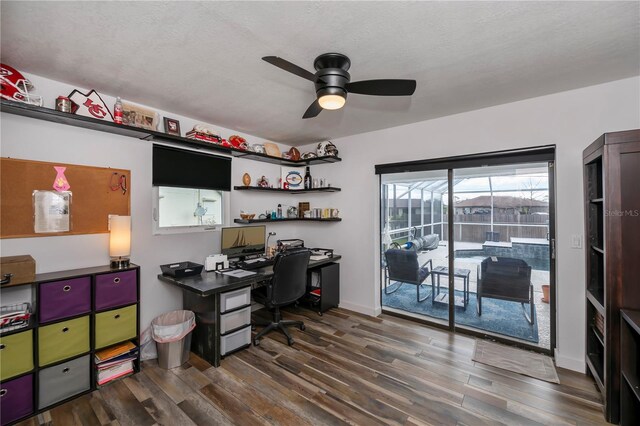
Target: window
(178, 210)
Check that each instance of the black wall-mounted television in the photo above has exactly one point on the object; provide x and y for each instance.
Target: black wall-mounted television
(189, 169)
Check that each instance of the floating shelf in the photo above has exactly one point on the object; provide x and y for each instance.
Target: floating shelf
(287, 219)
(288, 191)
(48, 114)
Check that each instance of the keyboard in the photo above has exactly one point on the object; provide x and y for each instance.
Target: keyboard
(260, 262)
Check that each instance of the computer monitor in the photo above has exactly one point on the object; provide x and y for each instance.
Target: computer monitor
(243, 241)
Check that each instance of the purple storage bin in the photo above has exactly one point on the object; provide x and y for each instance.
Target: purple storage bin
(116, 289)
(16, 399)
(63, 299)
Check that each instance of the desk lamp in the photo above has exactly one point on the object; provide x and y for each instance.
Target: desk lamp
(271, 234)
(119, 241)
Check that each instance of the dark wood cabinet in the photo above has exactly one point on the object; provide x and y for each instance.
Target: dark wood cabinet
(612, 229)
(630, 368)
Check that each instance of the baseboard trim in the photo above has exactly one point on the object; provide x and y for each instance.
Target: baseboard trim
(574, 364)
(361, 309)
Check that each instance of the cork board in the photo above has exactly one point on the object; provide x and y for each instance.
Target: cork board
(92, 201)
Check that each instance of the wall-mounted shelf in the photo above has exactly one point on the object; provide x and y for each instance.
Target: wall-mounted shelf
(287, 219)
(48, 114)
(288, 191)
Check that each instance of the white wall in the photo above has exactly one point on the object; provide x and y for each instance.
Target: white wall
(26, 138)
(570, 120)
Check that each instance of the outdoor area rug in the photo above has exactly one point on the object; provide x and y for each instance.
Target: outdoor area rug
(498, 316)
(517, 360)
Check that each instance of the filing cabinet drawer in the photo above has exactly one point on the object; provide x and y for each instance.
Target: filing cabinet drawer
(16, 398)
(235, 340)
(63, 381)
(61, 299)
(116, 289)
(115, 326)
(235, 299)
(63, 340)
(235, 319)
(16, 353)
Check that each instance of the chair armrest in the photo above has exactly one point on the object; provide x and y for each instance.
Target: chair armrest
(430, 264)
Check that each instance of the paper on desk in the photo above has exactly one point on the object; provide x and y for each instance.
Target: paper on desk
(239, 273)
(318, 257)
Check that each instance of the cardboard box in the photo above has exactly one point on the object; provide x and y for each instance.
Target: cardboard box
(22, 267)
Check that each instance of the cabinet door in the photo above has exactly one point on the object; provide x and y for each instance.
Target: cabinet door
(330, 283)
(63, 340)
(16, 353)
(116, 289)
(62, 299)
(115, 326)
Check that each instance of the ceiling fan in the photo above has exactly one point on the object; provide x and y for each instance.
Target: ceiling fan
(333, 82)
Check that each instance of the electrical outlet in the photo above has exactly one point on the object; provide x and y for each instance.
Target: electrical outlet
(576, 241)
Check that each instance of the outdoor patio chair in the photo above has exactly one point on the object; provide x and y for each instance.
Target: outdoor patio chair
(402, 267)
(506, 278)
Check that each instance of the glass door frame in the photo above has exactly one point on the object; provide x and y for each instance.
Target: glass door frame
(450, 164)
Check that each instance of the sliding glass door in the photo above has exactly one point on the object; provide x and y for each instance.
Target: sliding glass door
(413, 210)
(501, 251)
(471, 248)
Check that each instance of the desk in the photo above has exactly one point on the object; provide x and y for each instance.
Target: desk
(202, 295)
(460, 302)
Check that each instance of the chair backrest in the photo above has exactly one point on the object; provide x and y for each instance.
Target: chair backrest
(506, 275)
(289, 282)
(402, 265)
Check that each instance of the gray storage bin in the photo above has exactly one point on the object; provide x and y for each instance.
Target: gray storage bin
(64, 380)
(235, 319)
(235, 299)
(235, 340)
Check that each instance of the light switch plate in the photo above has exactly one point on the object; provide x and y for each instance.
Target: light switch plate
(576, 241)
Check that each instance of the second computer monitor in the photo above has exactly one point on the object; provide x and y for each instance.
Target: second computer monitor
(243, 241)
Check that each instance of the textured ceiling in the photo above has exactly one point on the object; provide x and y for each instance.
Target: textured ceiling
(202, 59)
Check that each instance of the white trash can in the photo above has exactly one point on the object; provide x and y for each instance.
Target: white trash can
(172, 333)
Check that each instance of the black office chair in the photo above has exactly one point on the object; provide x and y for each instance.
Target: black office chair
(402, 267)
(289, 283)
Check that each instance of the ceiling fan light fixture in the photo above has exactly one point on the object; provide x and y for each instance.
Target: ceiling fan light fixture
(331, 98)
(331, 101)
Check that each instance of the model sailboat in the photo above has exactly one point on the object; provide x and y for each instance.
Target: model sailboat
(240, 241)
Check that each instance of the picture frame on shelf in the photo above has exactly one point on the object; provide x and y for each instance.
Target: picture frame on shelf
(292, 178)
(171, 126)
(137, 116)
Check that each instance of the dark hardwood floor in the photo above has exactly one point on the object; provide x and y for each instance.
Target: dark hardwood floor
(345, 368)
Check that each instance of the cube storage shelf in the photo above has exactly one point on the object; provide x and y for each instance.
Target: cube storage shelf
(76, 312)
(612, 243)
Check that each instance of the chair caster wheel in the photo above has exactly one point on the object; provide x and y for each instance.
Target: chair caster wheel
(256, 342)
(290, 342)
(319, 313)
(253, 327)
(302, 327)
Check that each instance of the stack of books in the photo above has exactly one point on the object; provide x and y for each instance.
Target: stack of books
(203, 136)
(115, 362)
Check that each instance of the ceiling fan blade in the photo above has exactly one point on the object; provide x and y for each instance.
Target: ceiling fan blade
(313, 110)
(288, 66)
(382, 87)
